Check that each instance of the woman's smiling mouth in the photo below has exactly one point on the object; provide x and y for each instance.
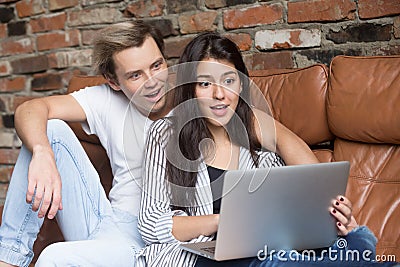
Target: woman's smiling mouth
(219, 110)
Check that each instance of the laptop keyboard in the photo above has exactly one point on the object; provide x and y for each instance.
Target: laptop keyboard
(210, 249)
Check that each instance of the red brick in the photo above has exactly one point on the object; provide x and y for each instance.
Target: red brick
(18, 100)
(385, 50)
(396, 27)
(287, 38)
(253, 16)
(26, 8)
(3, 30)
(46, 81)
(215, 3)
(5, 68)
(175, 47)
(74, 58)
(8, 156)
(88, 36)
(49, 23)
(30, 64)
(3, 192)
(13, 47)
(276, 60)
(199, 22)
(12, 84)
(5, 174)
(145, 8)
(242, 40)
(373, 9)
(61, 4)
(94, 16)
(321, 10)
(5, 103)
(57, 40)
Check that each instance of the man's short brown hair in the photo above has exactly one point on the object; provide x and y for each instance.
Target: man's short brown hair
(118, 37)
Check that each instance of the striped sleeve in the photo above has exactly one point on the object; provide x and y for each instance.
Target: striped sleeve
(270, 159)
(155, 216)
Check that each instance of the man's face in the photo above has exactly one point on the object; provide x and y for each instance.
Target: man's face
(142, 74)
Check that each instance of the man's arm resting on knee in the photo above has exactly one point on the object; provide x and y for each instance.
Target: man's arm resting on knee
(31, 125)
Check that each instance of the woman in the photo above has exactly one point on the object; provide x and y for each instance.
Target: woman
(215, 129)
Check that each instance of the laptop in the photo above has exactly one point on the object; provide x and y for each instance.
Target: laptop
(281, 208)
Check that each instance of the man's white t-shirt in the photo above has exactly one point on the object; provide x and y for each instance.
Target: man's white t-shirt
(122, 131)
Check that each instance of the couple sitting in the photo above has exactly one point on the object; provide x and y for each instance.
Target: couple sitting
(54, 176)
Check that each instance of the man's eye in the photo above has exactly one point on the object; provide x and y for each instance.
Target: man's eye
(135, 76)
(157, 66)
(204, 84)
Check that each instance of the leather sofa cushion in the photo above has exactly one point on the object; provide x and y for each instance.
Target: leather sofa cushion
(80, 81)
(297, 99)
(373, 189)
(363, 98)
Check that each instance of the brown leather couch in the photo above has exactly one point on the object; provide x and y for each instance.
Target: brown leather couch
(347, 112)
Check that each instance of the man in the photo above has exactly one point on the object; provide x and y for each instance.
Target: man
(53, 174)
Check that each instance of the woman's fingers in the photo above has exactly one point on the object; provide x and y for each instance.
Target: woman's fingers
(342, 211)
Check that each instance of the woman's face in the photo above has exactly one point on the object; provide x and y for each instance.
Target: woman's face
(217, 90)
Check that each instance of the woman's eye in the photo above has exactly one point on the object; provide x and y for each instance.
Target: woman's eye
(205, 84)
(229, 81)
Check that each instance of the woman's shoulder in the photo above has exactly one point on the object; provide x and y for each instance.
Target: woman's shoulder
(161, 128)
(269, 159)
(161, 125)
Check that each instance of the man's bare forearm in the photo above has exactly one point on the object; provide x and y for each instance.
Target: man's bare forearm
(31, 118)
(31, 124)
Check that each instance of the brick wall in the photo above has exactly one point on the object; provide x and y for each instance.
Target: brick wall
(45, 42)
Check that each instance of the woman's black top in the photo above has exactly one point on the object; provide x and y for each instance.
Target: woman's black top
(216, 181)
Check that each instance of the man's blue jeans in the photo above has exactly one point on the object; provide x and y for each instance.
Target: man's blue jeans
(97, 234)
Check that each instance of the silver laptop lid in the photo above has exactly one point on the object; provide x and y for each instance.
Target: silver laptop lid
(281, 208)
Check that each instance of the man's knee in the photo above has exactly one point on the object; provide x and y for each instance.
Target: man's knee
(52, 256)
(59, 254)
(56, 126)
(59, 131)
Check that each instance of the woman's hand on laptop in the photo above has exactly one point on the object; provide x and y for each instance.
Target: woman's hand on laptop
(342, 211)
(185, 228)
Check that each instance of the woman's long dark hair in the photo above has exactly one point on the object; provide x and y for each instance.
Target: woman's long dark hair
(190, 128)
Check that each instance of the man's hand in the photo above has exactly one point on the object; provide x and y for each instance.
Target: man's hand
(44, 183)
